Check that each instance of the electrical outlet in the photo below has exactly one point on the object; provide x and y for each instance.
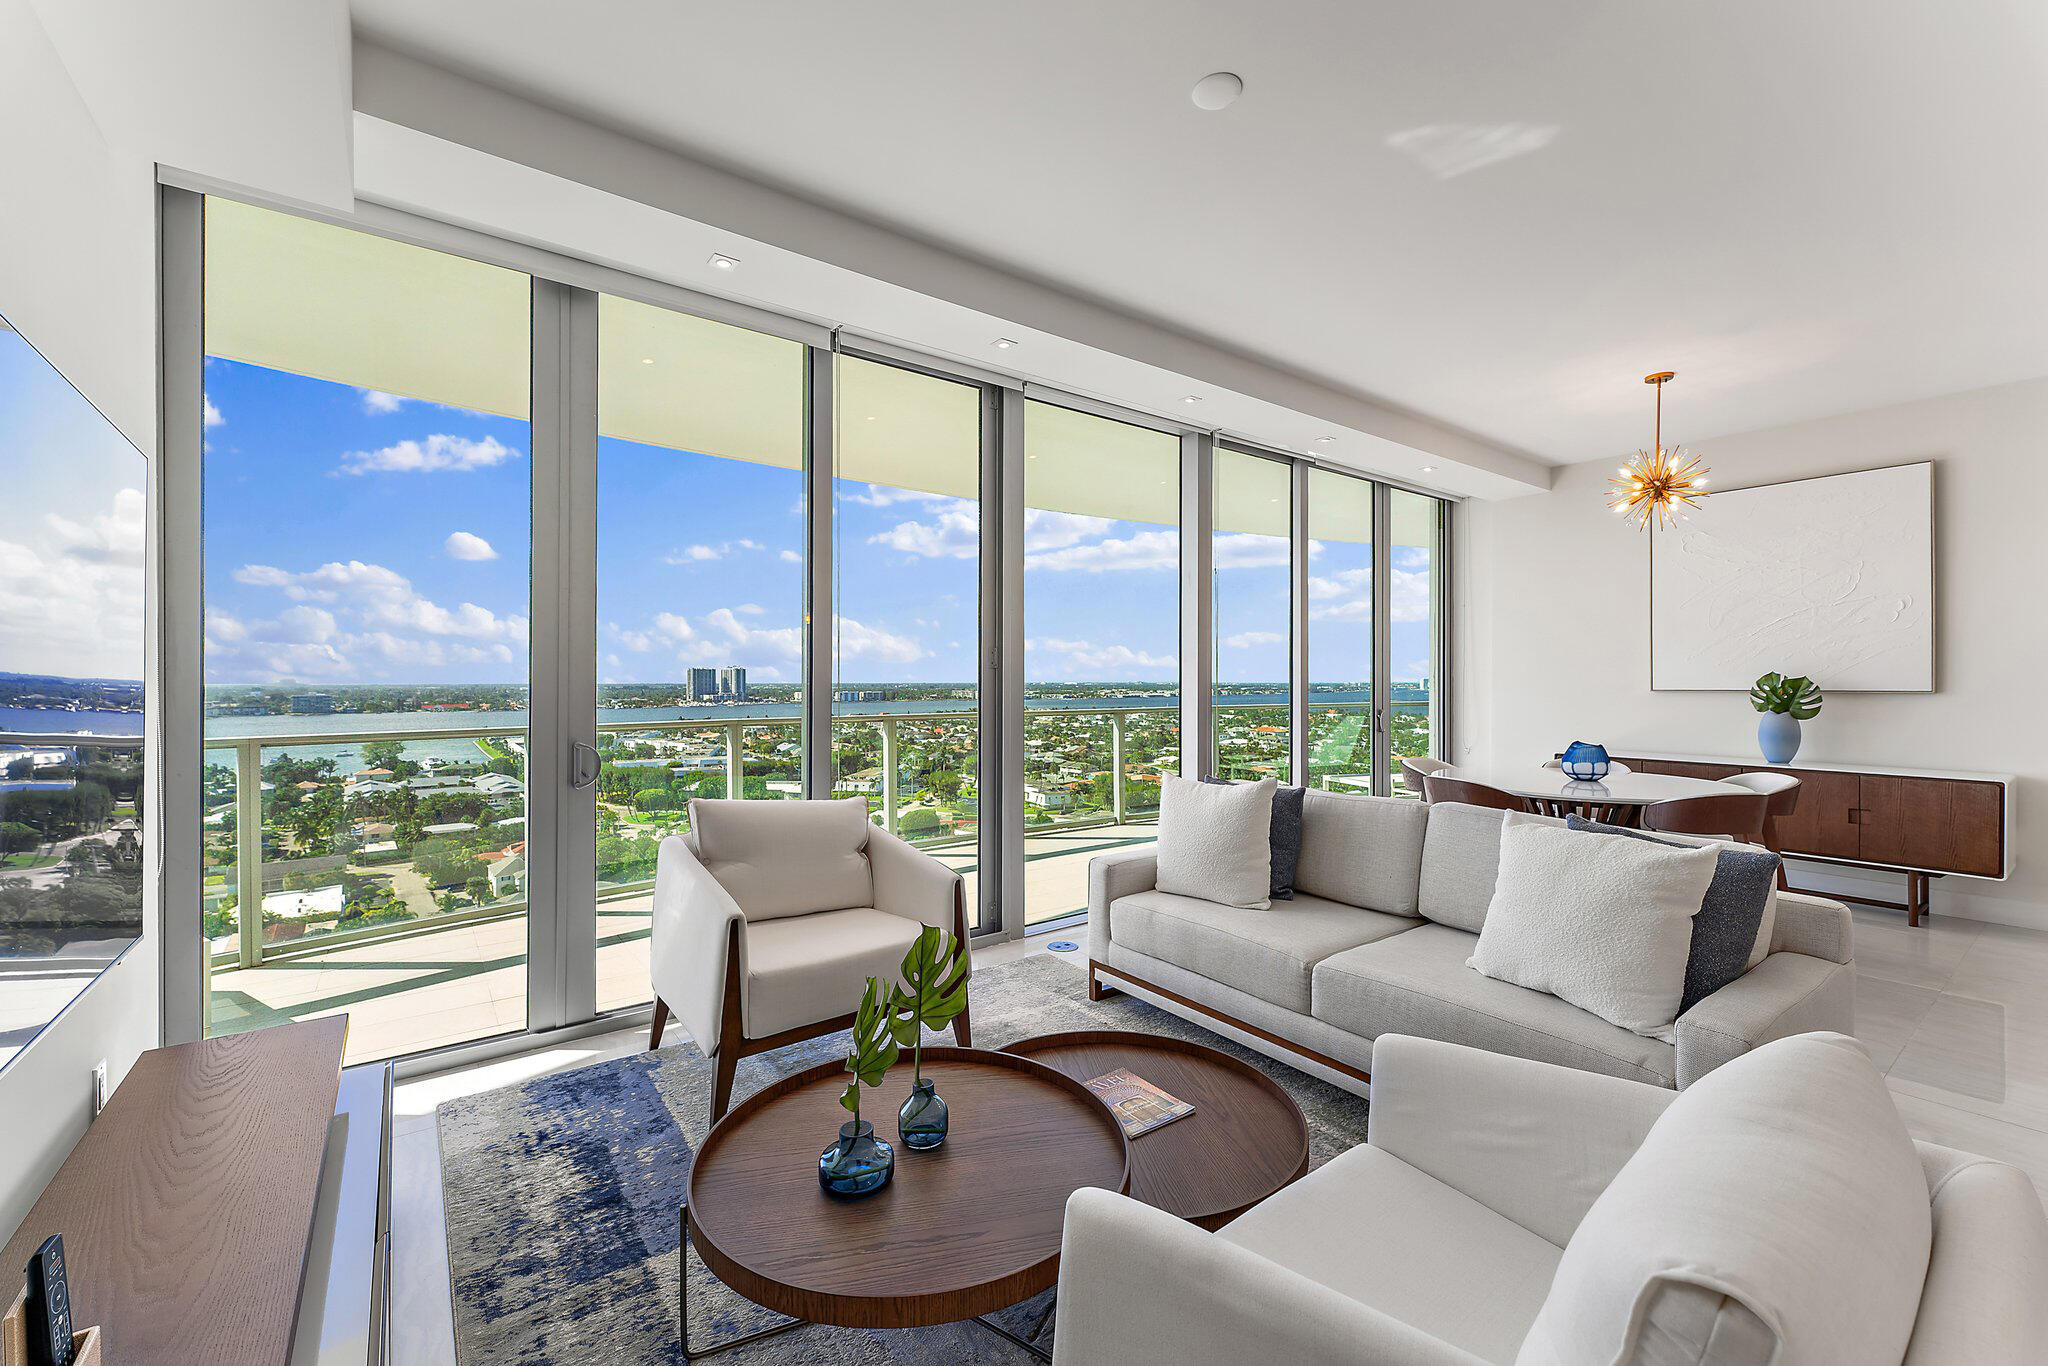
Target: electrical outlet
(99, 1087)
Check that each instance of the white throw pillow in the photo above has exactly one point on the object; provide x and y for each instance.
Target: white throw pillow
(1777, 1212)
(1602, 921)
(1216, 841)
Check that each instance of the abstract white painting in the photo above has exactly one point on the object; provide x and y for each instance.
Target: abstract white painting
(1832, 578)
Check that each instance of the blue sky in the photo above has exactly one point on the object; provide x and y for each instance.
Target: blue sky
(71, 535)
(354, 537)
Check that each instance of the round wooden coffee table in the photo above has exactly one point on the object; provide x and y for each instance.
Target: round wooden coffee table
(960, 1231)
(1245, 1140)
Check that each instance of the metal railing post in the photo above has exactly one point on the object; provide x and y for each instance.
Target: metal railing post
(1117, 721)
(735, 760)
(889, 774)
(249, 851)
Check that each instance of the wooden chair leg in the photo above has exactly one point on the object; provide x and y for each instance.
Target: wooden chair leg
(721, 1089)
(660, 1019)
(963, 1028)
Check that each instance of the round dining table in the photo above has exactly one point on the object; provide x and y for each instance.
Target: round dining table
(1550, 785)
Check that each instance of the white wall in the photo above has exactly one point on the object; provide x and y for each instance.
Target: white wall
(1552, 613)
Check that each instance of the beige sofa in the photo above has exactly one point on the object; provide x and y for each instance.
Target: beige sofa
(1510, 1211)
(1389, 899)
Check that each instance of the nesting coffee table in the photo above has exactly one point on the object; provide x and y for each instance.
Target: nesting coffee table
(973, 1226)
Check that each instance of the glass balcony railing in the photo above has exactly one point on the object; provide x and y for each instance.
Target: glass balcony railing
(413, 829)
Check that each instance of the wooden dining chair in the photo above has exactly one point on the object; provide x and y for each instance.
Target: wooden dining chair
(1438, 788)
(1738, 816)
(1781, 791)
(1413, 771)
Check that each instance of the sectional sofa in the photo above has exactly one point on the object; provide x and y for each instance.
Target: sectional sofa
(1390, 895)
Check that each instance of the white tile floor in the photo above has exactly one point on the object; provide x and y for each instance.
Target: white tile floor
(1955, 1012)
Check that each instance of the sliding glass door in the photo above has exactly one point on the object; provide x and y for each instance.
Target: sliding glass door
(1102, 705)
(906, 519)
(368, 524)
(1252, 566)
(1415, 634)
(1341, 714)
(700, 595)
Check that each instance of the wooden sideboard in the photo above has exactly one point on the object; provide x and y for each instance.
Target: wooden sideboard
(229, 1206)
(1924, 823)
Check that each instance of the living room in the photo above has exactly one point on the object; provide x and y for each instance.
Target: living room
(682, 682)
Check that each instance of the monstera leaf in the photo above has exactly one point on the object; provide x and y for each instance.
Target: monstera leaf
(934, 990)
(873, 1050)
(1800, 698)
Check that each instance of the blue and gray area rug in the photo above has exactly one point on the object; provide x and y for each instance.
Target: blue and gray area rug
(563, 1196)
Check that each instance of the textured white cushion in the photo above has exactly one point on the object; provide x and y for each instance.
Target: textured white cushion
(1776, 1212)
(1215, 841)
(801, 969)
(1601, 921)
(786, 858)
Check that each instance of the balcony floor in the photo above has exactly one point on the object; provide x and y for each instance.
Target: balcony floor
(466, 982)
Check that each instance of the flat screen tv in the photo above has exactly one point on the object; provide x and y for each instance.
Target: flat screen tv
(73, 500)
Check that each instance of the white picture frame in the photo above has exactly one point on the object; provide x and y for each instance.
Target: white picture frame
(1830, 577)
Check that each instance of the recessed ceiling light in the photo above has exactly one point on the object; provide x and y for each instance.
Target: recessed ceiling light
(647, 360)
(1429, 469)
(1217, 90)
(1004, 343)
(1324, 440)
(719, 262)
(1192, 398)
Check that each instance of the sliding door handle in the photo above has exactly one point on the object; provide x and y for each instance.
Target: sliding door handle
(582, 765)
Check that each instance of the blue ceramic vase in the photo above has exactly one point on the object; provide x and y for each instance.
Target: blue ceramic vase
(1584, 762)
(858, 1164)
(923, 1120)
(1777, 735)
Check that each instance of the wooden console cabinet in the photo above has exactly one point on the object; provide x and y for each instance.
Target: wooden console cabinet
(1922, 823)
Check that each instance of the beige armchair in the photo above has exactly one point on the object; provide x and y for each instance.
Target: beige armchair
(771, 917)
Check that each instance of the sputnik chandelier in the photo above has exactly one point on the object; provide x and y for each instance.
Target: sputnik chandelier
(1658, 484)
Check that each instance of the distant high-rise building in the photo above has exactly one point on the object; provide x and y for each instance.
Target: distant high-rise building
(703, 685)
(732, 682)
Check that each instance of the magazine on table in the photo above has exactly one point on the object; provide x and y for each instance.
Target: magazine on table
(1139, 1106)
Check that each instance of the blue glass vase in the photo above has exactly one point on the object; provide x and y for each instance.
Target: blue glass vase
(1584, 762)
(923, 1119)
(858, 1164)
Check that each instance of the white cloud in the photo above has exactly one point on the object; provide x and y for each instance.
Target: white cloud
(464, 545)
(789, 557)
(1141, 551)
(377, 403)
(377, 598)
(881, 496)
(1346, 595)
(71, 592)
(1046, 530)
(954, 534)
(1247, 640)
(731, 635)
(699, 554)
(213, 417)
(1084, 658)
(871, 644)
(438, 452)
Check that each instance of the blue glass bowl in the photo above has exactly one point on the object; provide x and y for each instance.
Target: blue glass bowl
(1584, 762)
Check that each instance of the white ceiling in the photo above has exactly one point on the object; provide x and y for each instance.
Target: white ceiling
(1802, 208)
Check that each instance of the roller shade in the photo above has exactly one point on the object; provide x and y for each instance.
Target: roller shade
(1254, 496)
(1095, 467)
(313, 299)
(907, 430)
(669, 379)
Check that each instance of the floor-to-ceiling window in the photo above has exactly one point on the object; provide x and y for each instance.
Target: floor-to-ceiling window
(1252, 615)
(906, 521)
(1414, 632)
(1101, 652)
(700, 594)
(367, 517)
(1340, 632)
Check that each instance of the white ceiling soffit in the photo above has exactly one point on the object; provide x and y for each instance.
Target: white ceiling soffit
(249, 92)
(1499, 213)
(792, 269)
